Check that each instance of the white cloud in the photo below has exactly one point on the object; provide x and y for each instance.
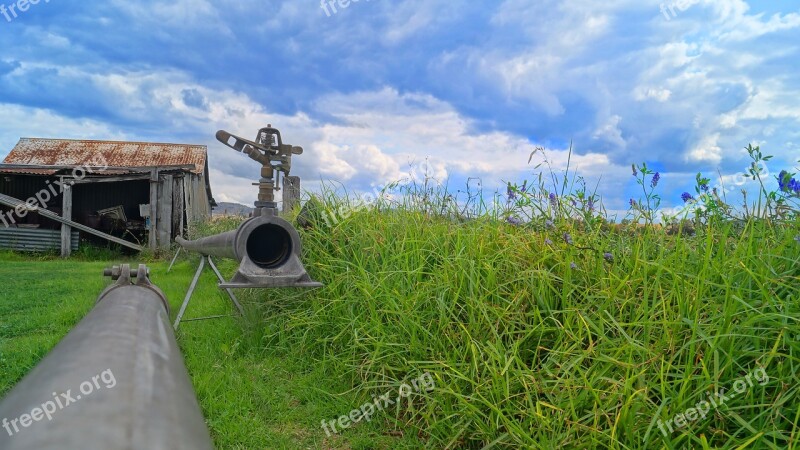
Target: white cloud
(737, 26)
(376, 137)
(615, 76)
(695, 81)
(20, 121)
(330, 163)
(610, 132)
(707, 150)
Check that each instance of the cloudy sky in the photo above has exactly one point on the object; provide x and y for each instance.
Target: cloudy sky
(370, 88)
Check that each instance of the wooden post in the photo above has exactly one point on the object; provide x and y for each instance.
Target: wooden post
(182, 205)
(66, 230)
(291, 193)
(187, 203)
(177, 206)
(153, 239)
(165, 211)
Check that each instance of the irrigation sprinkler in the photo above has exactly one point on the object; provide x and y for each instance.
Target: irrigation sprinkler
(267, 247)
(69, 400)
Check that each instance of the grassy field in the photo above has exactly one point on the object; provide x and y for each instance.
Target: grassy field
(561, 336)
(558, 331)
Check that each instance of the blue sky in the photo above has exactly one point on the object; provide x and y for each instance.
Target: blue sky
(368, 90)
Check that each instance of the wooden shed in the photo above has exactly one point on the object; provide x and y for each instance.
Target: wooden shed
(137, 194)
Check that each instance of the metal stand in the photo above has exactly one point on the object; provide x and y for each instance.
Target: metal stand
(178, 253)
(203, 260)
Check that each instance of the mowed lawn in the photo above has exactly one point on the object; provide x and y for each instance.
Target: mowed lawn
(251, 396)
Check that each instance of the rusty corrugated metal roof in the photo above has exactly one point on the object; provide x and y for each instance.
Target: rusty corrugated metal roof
(29, 171)
(67, 152)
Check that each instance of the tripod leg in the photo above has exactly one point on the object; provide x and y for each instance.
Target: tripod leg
(230, 292)
(174, 259)
(191, 291)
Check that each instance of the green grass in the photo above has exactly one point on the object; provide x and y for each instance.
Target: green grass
(528, 352)
(525, 350)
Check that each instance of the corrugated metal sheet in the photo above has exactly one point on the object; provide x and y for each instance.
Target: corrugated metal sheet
(33, 240)
(67, 152)
(17, 203)
(29, 171)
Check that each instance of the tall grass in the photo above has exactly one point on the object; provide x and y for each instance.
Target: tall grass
(557, 331)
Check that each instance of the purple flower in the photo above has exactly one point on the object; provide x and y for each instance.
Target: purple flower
(524, 186)
(608, 256)
(553, 199)
(590, 204)
(633, 168)
(513, 220)
(573, 266)
(784, 180)
(633, 203)
(704, 187)
(686, 197)
(655, 180)
(794, 185)
(786, 183)
(548, 242)
(567, 238)
(510, 193)
(549, 224)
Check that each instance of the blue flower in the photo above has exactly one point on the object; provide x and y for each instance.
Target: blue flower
(553, 199)
(633, 203)
(513, 220)
(548, 242)
(794, 185)
(524, 186)
(686, 197)
(590, 205)
(549, 224)
(655, 180)
(608, 256)
(573, 266)
(567, 238)
(783, 181)
(704, 187)
(786, 183)
(633, 168)
(510, 193)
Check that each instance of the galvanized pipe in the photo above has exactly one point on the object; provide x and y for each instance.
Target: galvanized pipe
(116, 381)
(221, 245)
(268, 250)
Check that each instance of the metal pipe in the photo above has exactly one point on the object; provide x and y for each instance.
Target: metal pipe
(268, 250)
(221, 245)
(116, 381)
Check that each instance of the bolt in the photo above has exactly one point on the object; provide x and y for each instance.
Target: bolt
(113, 272)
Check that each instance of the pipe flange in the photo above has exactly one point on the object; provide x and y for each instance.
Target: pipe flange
(122, 277)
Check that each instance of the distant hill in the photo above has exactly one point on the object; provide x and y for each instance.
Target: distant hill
(232, 209)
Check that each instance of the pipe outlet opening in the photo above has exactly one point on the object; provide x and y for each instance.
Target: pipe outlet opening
(269, 246)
